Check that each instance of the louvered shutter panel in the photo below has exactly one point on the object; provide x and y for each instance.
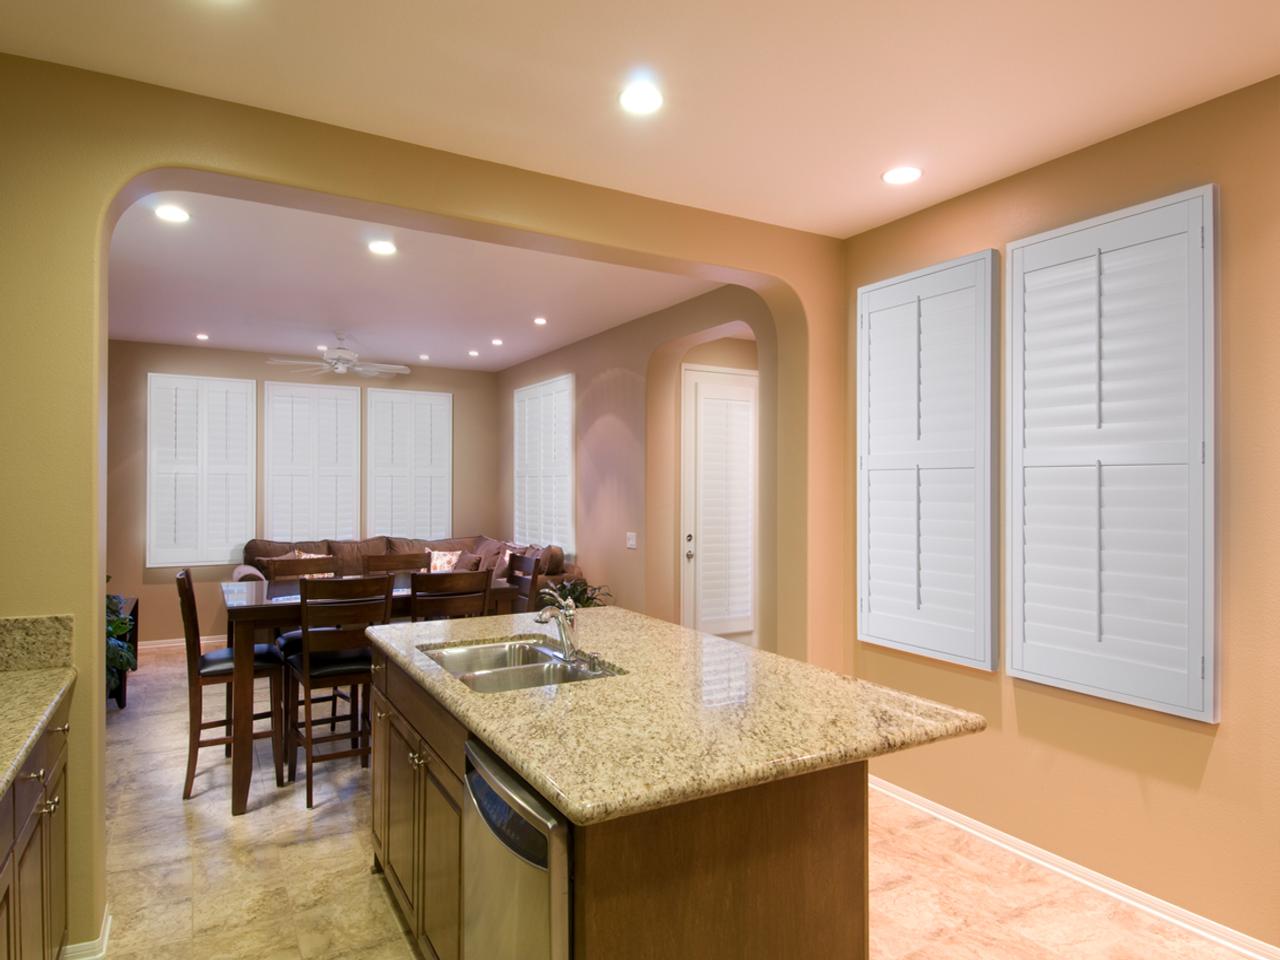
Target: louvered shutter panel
(410, 464)
(312, 450)
(924, 462)
(1110, 459)
(200, 469)
(543, 482)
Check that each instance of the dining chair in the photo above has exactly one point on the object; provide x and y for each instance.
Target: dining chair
(440, 596)
(335, 653)
(214, 667)
(525, 578)
(390, 563)
(299, 568)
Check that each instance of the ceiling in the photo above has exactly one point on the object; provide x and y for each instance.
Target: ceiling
(782, 112)
(278, 280)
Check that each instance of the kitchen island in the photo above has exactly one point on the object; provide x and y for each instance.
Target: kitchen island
(713, 796)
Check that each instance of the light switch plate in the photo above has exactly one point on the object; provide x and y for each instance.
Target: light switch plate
(631, 541)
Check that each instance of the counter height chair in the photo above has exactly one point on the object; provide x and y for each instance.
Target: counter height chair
(334, 653)
(525, 578)
(214, 667)
(439, 596)
(391, 563)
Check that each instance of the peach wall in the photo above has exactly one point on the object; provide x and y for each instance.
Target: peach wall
(1183, 810)
(618, 441)
(475, 465)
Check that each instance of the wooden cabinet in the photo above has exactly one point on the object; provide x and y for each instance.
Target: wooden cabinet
(33, 851)
(416, 820)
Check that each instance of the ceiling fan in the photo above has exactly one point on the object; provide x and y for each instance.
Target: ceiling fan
(341, 359)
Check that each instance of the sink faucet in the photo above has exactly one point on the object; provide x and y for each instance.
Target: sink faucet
(564, 612)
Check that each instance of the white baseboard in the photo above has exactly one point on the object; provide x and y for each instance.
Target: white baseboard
(94, 949)
(1223, 936)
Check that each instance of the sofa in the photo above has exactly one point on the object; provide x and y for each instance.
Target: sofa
(551, 561)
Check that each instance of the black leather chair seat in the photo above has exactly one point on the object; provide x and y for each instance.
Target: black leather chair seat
(324, 665)
(220, 663)
(290, 643)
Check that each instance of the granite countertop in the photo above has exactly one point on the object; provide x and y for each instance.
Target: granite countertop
(694, 715)
(28, 699)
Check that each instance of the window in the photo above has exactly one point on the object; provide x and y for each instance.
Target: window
(924, 462)
(1110, 555)
(544, 504)
(201, 437)
(409, 481)
(312, 453)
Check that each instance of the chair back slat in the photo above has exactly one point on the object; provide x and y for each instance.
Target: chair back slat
(525, 578)
(297, 568)
(396, 562)
(190, 622)
(335, 613)
(437, 596)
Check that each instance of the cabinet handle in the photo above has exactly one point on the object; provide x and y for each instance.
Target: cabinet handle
(376, 667)
(38, 775)
(417, 760)
(381, 714)
(52, 805)
(65, 728)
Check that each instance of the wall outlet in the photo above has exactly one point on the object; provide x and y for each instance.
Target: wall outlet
(631, 541)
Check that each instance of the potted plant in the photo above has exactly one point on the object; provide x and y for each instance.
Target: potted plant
(120, 656)
(583, 594)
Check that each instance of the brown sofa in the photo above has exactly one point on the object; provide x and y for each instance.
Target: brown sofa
(552, 564)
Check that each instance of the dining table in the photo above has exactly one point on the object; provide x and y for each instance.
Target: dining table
(272, 605)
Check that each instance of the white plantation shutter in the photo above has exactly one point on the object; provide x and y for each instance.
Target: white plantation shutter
(1111, 457)
(312, 452)
(409, 481)
(924, 462)
(543, 481)
(201, 442)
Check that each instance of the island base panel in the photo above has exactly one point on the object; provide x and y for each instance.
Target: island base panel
(776, 870)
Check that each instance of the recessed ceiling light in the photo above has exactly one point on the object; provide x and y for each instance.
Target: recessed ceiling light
(202, 336)
(901, 175)
(473, 353)
(383, 248)
(540, 321)
(423, 356)
(172, 213)
(641, 97)
(321, 347)
(496, 342)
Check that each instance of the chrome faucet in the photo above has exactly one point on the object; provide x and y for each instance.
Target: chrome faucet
(564, 612)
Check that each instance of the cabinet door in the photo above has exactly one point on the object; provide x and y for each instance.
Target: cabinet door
(29, 886)
(7, 913)
(56, 867)
(441, 906)
(404, 753)
(381, 722)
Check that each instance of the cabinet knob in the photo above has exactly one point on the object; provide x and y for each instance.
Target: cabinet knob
(376, 667)
(65, 728)
(38, 775)
(381, 714)
(417, 760)
(52, 805)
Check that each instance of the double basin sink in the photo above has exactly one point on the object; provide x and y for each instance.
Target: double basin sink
(515, 663)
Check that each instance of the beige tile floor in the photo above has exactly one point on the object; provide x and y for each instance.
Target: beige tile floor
(187, 880)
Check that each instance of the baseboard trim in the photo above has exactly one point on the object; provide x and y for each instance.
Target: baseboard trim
(94, 949)
(212, 640)
(1220, 934)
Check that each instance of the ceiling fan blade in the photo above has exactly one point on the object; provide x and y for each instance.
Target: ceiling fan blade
(283, 362)
(370, 369)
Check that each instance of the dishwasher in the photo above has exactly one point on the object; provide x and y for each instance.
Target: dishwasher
(515, 867)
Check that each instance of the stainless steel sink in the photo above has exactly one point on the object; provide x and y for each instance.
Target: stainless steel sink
(517, 664)
(519, 651)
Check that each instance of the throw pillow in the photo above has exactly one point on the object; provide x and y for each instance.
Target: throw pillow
(299, 555)
(442, 561)
(467, 562)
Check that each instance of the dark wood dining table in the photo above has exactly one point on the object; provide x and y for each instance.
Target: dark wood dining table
(254, 605)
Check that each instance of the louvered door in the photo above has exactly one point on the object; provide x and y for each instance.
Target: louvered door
(312, 452)
(924, 462)
(409, 464)
(201, 484)
(1111, 454)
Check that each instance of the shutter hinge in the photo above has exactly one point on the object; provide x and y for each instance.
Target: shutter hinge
(1202, 668)
(1202, 238)
(859, 461)
(862, 320)
(1201, 451)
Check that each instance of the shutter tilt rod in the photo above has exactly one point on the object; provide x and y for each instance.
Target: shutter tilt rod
(1097, 347)
(919, 551)
(919, 361)
(1098, 517)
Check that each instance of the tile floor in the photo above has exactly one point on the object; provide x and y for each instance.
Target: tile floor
(187, 880)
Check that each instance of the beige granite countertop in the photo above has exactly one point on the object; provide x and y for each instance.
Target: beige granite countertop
(28, 699)
(694, 715)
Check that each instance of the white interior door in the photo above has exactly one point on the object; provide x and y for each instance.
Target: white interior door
(718, 501)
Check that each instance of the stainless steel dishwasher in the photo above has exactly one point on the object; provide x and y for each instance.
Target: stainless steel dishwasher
(515, 867)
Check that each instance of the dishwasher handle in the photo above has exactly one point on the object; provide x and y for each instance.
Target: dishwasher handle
(519, 818)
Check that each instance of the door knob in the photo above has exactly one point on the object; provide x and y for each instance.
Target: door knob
(688, 554)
